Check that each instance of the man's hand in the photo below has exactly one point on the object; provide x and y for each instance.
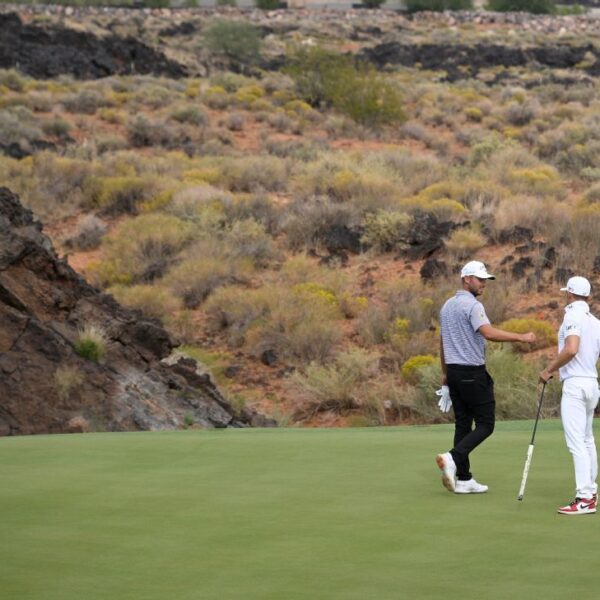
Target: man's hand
(545, 375)
(528, 337)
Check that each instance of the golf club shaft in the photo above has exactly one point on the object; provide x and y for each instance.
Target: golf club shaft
(531, 446)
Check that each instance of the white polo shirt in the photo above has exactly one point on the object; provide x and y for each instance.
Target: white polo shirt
(579, 321)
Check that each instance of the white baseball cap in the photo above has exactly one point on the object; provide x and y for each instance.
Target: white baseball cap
(477, 269)
(579, 286)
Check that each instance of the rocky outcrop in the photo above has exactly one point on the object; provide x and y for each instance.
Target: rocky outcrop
(48, 51)
(461, 61)
(45, 386)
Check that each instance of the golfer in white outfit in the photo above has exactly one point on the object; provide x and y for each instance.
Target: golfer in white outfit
(578, 352)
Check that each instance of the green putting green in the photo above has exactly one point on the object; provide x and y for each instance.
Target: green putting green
(285, 514)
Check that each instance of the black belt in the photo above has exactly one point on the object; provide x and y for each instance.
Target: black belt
(468, 368)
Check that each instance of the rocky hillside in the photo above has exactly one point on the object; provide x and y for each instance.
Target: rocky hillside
(46, 387)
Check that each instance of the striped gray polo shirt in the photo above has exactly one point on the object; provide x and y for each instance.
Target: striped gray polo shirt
(460, 318)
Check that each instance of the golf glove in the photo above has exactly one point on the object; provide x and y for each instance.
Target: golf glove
(445, 403)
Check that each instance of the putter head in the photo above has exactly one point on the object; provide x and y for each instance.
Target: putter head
(520, 498)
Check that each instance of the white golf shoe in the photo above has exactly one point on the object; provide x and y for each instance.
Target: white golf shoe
(470, 487)
(446, 464)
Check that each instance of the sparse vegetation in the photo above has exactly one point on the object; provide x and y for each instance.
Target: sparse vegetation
(91, 343)
(313, 216)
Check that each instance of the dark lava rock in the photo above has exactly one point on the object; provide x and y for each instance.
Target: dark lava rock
(46, 51)
(341, 237)
(596, 267)
(268, 357)
(185, 28)
(433, 268)
(426, 235)
(553, 304)
(47, 387)
(515, 235)
(518, 269)
(461, 61)
(549, 258)
(562, 274)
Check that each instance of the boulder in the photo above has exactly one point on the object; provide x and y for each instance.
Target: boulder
(47, 387)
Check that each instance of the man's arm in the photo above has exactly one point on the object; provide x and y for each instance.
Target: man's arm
(443, 362)
(493, 334)
(565, 355)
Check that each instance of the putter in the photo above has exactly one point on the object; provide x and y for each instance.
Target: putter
(530, 449)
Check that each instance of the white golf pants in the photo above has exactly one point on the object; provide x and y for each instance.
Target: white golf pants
(579, 399)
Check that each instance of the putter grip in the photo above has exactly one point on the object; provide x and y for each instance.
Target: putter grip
(525, 471)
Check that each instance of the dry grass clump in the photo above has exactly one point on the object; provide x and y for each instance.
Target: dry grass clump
(386, 231)
(189, 113)
(67, 379)
(18, 127)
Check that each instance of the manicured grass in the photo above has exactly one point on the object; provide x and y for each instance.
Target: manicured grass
(287, 514)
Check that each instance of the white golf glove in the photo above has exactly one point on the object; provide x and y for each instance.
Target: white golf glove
(445, 403)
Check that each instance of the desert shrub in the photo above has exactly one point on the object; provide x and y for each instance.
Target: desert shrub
(258, 207)
(91, 342)
(110, 143)
(412, 367)
(234, 309)
(255, 173)
(66, 379)
(236, 44)
(464, 242)
(302, 150)
(267, 4)
(12, 79)
(387, 231)
(324, 77)
(592, 194)
(339, 387)
(248, 239)
(520, 113)
(542, 181)
(117, 195)
(275, 320)
(532, 6)
(307, 223)
(190, 114)
(13, 130)
(545, 333)
(88, 233)
(235, 121)
(142, 249)
(143, 132)
(153, 96)
(195, 278)
(583, 233)
(438, 5)
(216, 97)
(56, 127)
(544, 215)
(153, 300)
(111, 115)
(87, 101)
(515, 385)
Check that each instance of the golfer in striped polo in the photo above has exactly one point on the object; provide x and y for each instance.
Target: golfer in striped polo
(464, 330)
(578, 352)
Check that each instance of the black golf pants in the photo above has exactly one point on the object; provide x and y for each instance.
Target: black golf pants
(472, 393)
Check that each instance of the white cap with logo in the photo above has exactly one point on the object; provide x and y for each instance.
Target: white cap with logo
(477, 269)
(579, 286)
